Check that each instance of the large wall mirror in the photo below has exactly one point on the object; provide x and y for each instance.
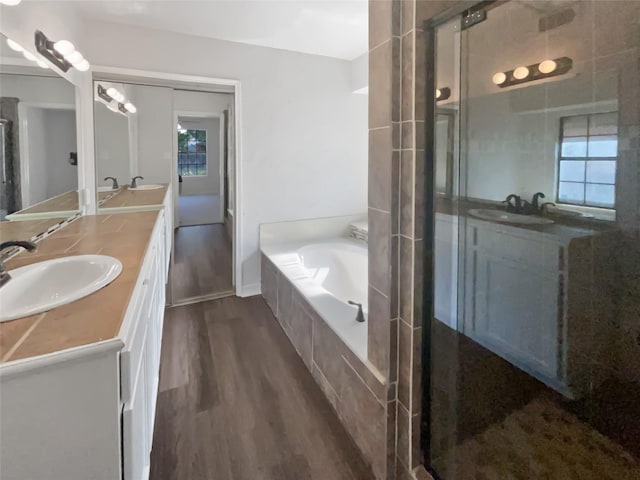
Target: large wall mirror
(39, 171)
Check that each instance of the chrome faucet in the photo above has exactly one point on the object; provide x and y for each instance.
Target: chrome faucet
(115, 185)
(360, 314)
(134, 184)
(4, 273)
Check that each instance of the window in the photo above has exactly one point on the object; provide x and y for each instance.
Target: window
(192, 152)
(587, 160)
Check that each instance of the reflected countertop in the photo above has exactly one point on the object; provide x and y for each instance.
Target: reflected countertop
(563, 228)
(63, 205)
(134, 199)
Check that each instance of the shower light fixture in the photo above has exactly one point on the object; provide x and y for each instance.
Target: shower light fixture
(442, 93)
(537, 71)
(15, 46)
(62, 54)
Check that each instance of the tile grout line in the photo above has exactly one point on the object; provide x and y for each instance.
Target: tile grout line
(23, 338)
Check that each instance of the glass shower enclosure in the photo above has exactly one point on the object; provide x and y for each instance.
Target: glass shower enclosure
(532, 358)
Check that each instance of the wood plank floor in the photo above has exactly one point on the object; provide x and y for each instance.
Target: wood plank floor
(203, 262)
(237, 403)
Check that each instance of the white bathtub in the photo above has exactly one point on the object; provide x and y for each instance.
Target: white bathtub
(329, 273)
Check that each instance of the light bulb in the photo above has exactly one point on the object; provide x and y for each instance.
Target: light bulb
(14, 45)
(41, 64)
(83, 66)
(74, 57)
(438, 93)
(547, 66)
(131, 107)
(10, 3)
(521, 73)
(113, 93)
(120, 97)
(499, 78)
(29, 56)
(64, 47)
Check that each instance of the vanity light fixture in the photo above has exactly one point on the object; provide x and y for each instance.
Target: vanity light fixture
(130, 107)
(537, 71)
(122, 108)
(15, 46)
(62, 54)
(442, 93)
(10, 3)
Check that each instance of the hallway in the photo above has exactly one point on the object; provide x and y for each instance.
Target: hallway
(203, 262)
(236, 402)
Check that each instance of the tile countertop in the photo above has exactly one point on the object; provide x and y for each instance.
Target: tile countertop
(135, 198)
(25, 230)
(93, 318)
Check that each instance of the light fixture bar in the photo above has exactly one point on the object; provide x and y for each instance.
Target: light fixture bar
(45, 48)
(102, 93)
(530, 73)
(442, 94)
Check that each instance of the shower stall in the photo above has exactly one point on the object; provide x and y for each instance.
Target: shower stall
(532, 355)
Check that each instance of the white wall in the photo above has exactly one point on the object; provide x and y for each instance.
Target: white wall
(112, 145)
(50, 173)
(208, 184)
(29, 88)
(304, 137)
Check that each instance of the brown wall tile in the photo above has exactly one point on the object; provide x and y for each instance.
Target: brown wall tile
(404, 364)
(380, 83)
(380, 22)
(407, 187)
(380, 168)
(408, 13)
(407, 76)
(380, 250)
(301, 330)
(379, 331)
(404, 436)
(406, 279)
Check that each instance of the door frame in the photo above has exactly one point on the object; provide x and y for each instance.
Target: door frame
(220, 116)
(133, 75)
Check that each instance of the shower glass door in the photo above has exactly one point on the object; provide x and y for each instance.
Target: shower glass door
(535, 339)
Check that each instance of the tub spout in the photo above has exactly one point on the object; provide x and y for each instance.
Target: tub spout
(360, 314)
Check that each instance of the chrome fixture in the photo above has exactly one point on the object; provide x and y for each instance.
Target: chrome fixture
(134, 184)
(115, 185)
(4, 273)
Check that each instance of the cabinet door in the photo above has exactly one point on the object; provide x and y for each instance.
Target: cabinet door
(135, 448)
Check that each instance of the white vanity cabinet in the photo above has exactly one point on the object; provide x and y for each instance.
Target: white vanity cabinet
(88, 412)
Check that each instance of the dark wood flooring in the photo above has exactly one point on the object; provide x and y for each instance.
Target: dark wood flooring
(237, 403)
(202, 262)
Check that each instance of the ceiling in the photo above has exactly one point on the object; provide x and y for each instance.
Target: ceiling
(333, 28)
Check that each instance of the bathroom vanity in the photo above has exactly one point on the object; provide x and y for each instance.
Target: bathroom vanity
(79, 382)
(526, 293)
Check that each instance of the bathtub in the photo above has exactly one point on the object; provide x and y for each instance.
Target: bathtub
(329, 273)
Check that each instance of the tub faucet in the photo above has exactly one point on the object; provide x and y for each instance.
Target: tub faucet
(134, 184)
(115, 185)
(4, 273)
(360, 314)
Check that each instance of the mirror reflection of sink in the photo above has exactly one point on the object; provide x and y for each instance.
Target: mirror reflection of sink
(506, 217)
(147, 187)
(107, 189)
(42, 286)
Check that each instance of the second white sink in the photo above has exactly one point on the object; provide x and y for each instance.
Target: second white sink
(506, 217)
(147, 187)
(45, 285)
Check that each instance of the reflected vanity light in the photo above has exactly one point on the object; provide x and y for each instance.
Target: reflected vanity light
(110, 94)
(10, 3)
(442, 93)
(15, 46)
(62, 54)
(130, 107)
(537, 71)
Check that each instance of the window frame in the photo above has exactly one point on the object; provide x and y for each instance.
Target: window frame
(586, 159)
(206, 154)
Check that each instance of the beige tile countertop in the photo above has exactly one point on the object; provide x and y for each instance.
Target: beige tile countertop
(96, 317)
(25, 230)
(135, 198)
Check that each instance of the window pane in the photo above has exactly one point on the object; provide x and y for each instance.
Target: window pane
(606, 146)
(574, 126)
(572, 170)
(574, 147)
(571, 192)
(604, 124)
(601, 195)
(601, 171)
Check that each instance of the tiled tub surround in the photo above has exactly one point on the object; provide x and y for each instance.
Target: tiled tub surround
(322, 327)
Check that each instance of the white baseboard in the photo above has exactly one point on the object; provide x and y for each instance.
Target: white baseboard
(250, 290)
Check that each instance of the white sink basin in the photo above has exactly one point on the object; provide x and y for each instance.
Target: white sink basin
(147, 187)
(108, 189)
(506, 217)
(45, 285)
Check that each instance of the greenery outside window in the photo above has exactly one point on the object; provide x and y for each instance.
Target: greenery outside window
(587, 160)
(192, 152)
